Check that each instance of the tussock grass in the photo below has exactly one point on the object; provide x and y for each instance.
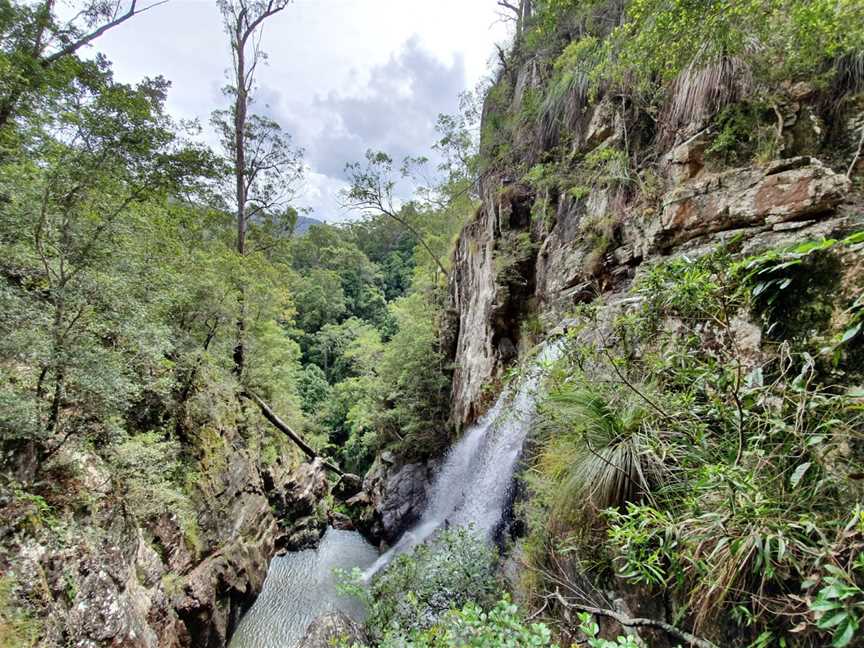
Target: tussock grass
(571, 90)
(596, 451)
(700, 92)
(563, 107)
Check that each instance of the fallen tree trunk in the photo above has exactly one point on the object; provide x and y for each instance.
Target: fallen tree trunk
(283, 427)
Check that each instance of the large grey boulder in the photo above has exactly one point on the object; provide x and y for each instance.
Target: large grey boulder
(393, 497)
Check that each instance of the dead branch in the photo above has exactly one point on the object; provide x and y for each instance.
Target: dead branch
(692, 640)
(71, 48)
(857, 154)
(283, 427)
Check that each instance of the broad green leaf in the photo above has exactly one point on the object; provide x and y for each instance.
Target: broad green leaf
(850, 333)
(799, 474)
(845, 633)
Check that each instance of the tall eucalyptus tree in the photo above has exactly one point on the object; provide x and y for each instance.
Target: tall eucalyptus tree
(265, 167)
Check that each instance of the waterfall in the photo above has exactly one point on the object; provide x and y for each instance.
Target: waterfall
(475, 480)
(472, 487)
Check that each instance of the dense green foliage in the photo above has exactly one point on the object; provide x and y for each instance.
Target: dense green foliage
(118, 293)
(443, 594)
(682, 460)
(125, 296)
(120, 284)
(502, 626)
(367, 323)
(417, 588)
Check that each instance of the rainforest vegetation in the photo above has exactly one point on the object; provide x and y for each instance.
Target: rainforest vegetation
(156, 291)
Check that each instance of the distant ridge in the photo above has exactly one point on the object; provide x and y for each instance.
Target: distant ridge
(304, 223)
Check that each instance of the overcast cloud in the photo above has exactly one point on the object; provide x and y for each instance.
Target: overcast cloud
(343, 76)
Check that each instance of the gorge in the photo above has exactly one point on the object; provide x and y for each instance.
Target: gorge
(597, 381)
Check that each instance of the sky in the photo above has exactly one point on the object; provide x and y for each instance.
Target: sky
(342, 76)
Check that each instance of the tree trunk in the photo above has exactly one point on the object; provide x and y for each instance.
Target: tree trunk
(57, 355)
(241, 101)
(283, 427)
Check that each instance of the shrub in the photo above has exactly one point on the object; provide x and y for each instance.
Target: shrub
(839, 604)
(590, 629)
(152, 476)
(418, 589)
(473, 627)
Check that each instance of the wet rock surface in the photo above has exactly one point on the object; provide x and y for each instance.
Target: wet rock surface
(330, 629)
(394, 496)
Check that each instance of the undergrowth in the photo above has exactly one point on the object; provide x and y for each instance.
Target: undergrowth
(679, 454)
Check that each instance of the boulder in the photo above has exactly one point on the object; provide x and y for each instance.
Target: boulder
(393, 498)
(333, 629)
(605, 126)
(305, 488)
(304, 513)
(347, 486)
(687, 160)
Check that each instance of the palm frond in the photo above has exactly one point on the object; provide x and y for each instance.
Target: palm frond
(595, 451)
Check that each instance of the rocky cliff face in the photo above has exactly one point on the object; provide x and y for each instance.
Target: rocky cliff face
(101, 575)
(534, 251)
(568, 224)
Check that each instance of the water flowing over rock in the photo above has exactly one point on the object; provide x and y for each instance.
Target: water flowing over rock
(474, 483)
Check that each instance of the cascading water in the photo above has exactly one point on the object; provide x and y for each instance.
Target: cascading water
(473, 485)
(472, 488)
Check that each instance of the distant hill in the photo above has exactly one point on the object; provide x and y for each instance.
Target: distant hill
(304, 223)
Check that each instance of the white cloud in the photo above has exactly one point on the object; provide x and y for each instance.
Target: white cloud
(342, 75)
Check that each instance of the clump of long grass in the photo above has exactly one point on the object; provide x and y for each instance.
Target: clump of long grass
(570, 92)
(595, 452)
(563, 107)
(849, 74)
(700, 92)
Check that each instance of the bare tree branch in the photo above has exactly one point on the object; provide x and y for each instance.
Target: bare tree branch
(71, 48)
(669, 629)
(283, 427)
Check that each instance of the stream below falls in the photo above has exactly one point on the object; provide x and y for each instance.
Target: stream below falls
(472, 488)
(300, 587)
